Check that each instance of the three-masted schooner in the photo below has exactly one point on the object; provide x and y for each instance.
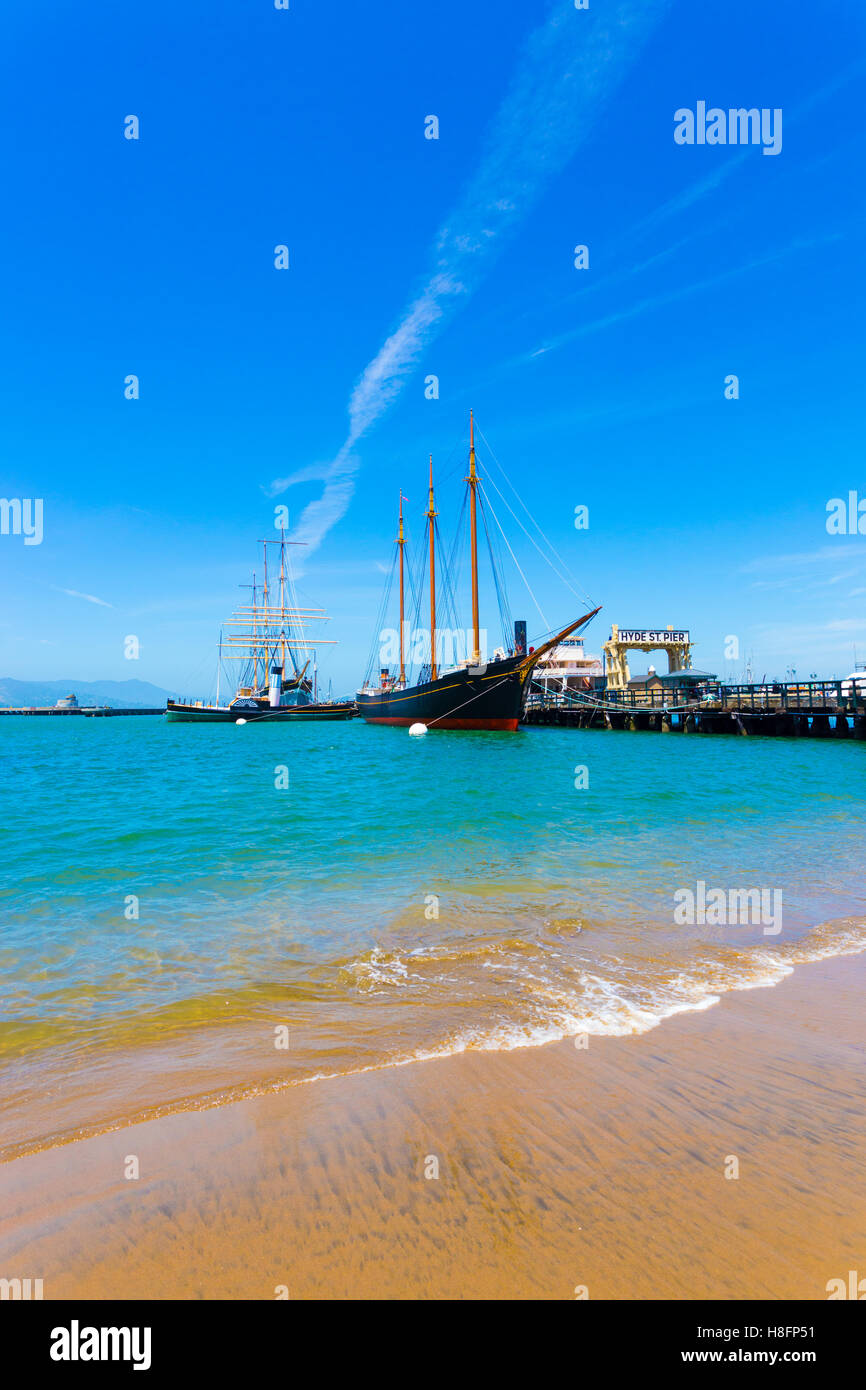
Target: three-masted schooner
(476, 693)
(272, 640)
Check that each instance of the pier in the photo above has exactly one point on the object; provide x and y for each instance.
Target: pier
(801, 709)
(89, 712)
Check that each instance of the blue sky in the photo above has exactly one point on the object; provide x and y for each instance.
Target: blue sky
(602, 387)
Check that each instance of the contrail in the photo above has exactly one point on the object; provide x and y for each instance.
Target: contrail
(642, 306)
(571, 66)
(91, 598)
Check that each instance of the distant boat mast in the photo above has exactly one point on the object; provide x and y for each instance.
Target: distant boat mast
(431, 518)
(472, 480)
(401, 542)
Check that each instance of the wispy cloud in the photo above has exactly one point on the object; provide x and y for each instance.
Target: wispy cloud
(572, 64)
(310, 473)
(674, 207)
(695, 192)
(657, 301)
(812, 637)
(800, 558)
(90, 598)
(810, 572)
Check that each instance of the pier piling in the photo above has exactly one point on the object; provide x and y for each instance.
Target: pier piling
(810, 709)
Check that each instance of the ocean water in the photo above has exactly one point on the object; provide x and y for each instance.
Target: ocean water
(194, 914)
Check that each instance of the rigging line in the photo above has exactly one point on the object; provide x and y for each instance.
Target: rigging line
(514, 558)
(416, 581)
(448, 715)
(305, 637)
(458, 533)
(418, 593)
(589, 702)
(501, 596)
(290, 635)
(496, 563)
(420, 570)
(449, 606)
(526, 509)
(409, 553)
(458, 443)
(497, 559)
(380, 620)
(455, 558)
(562, 577)
(577, 591)
(413, 600)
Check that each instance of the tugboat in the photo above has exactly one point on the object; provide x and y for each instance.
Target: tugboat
(272, 641)
(476, 693)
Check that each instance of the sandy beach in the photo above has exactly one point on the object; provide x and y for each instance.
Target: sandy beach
(559, 1168)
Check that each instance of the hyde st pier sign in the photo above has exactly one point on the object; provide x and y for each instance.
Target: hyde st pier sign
(650, 636)
(675, 641)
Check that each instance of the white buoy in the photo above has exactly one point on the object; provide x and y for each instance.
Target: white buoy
(240, 721)
(417, 729)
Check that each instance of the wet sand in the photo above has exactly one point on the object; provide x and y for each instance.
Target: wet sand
(559, 1167)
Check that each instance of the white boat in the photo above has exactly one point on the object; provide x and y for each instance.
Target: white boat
(568, 668)
(855, 684)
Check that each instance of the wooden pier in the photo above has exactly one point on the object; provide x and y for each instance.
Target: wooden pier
(88, 711)
(802, 709)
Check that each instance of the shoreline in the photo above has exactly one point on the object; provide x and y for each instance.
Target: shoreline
(559, 1167)
(217, 1063)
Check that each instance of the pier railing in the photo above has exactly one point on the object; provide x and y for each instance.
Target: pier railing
(827, 697)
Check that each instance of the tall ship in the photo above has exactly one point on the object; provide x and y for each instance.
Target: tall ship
(271, 638)
(476, 692)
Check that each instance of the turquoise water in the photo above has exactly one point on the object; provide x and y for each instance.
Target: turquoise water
(399, 898)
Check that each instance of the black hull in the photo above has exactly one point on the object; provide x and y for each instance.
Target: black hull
(490, 697)
(177, 713)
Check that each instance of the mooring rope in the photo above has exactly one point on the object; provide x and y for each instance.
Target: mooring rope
(468, 702)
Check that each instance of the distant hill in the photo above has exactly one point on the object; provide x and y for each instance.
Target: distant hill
(118, 694)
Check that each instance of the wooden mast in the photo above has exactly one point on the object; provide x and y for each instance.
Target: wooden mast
(431, 514)
(266, 661)
(280, 615)
(401, 542)
(473, 543)
(255, 649)
(283, 604)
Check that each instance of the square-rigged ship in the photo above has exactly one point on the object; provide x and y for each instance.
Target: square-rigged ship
(272, 640)
(476, 693)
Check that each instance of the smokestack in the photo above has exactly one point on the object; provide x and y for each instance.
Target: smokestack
(275, 687)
